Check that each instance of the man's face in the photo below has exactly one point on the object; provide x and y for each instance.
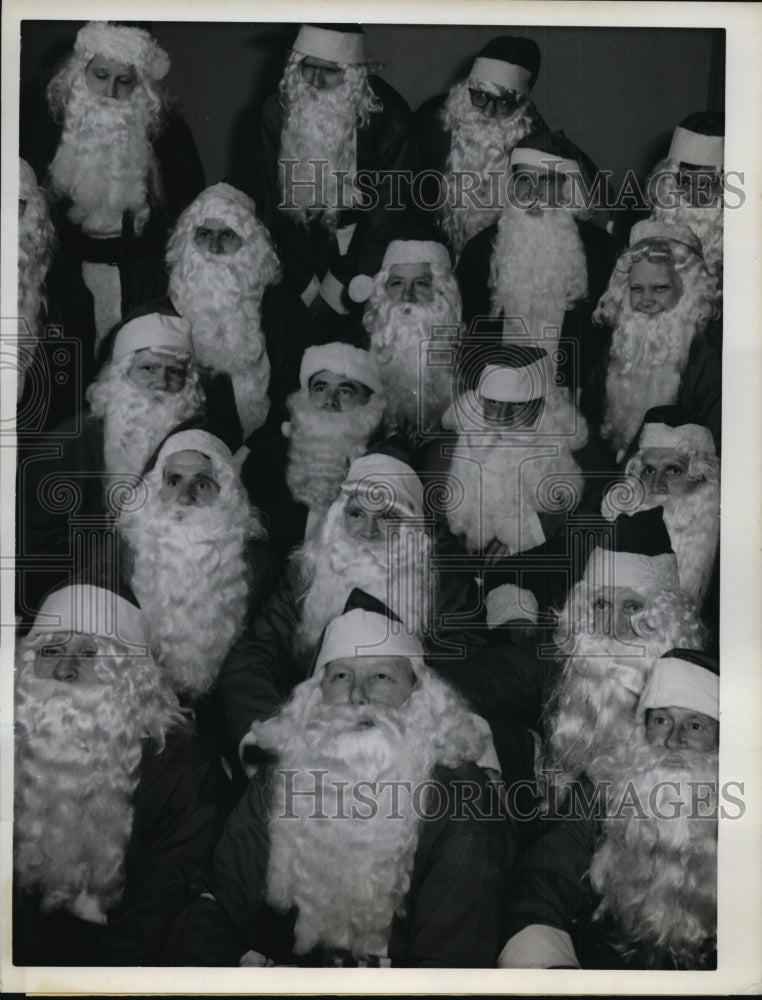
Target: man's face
(682, 729)
(364, 522)
(613, 610)
(664, 472)
(216, 236)
(329, 391)
(537, 187)
(188, 480)
(654, 287)
(510, 415)
(700, 186)
(109, 78)
(68, 658)
(320, 73)
(410, 283)
(368, 680)
(500, 104)
(155, 369)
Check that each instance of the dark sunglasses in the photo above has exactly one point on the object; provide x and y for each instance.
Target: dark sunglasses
(503, 104)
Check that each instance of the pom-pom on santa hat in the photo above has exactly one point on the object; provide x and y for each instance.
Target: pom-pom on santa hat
(156, 325)
(641, 557)
(123, 44)
(403, 244)
(683, 678)
(339, 43)
(516, 373)
(699, 140)
(510, 603)
(386, 482)
(509, 61)
(674, 427)
(341, 359)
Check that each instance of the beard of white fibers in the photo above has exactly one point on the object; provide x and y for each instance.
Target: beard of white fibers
(221, 295)
(136, 420)
(77, 767)
(105, 162)
(190, 576)
(348, 877)
(478, 144)
(704, 222)
(538, 268)
(322, 443)
(417, 394)
(655, 867)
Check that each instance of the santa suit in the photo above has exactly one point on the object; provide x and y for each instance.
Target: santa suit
(450, 912)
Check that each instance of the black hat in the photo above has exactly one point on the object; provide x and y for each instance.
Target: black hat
(520, 59)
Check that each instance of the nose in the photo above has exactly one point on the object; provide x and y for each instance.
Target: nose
(358, 695)
(112, 90)
(186, 496)
(66, 669)
(369, 527)
(622, 624)
(409, 294)
(659, 484)
(332, 401)
(489, 109)
(216, 244)
(676, 739)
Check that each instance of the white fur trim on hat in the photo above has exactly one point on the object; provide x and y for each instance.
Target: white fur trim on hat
(415, 252)
(84, 609)
(525, 156)
(128, 45)
(516, 385)
(152, 330)
(195, 440)
(383, 477)
(654, 229)
(341, 359)
(365, 633)
(333, 46)
(678, 683)
(687, 437)
(504, 74)
(608, 568)
(509, 603)
(697, 148)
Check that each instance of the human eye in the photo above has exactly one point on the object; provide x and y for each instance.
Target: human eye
(53, 651)
(659, 719)
(636, 288)
(125, 81)
(227, 234)
(176, 372)
(100, 74)
(394, 282)
(202, 233)
(675, 470)
(601, 604)
(648, 470)
(339, 675)
(348, 390)
(632, 606)
(172, 480)
(147, 366)
(424, 281)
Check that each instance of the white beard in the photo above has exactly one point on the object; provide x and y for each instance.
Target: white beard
(417, 392)
(322, 443)
(478, 144)
(189, 574)
(648, 357)
(35, 238)
(657, 874)
(105, 162)
(78, 756)
(320, 125)
(538, 270)
(396, 571)
(136, 420)
(221, 295)
(706, 223)
(499, 480)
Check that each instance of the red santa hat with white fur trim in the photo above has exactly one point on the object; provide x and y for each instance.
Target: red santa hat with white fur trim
(341, 359)
(399, 245)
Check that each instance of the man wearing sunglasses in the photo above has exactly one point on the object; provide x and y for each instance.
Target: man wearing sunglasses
(471, 132)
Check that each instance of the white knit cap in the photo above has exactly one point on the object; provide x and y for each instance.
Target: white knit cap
(365, 633)
(128, 45)
(152, 330)
(341, 359)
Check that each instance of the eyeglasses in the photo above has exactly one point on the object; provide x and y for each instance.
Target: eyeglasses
(503, 104)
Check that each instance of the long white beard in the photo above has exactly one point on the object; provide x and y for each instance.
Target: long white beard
(596, 696)
(478, 144)
(706, 223)
(656, 871)
(499, 480)
(322, 443)
(78, 755)
(105, 162)
(136, 420)
(191, 579)
(221, 295)
(320, 125)
(693, 523)
(35, 234)
(648, 357)
(417, 390)
(538, 269)
(395, 570)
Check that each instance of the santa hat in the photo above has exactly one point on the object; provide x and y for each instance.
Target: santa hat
(699, 140)
(509, 61)
(516, 373)
(641, 557)
(232, 206)
(93, 607)
(337, 43)
(546, 149)
(652, 230)
(366, 628)
(341, 359)
(385, 481)
(124, 44)
(674, 427)
(683, 678)
(193, 439)
(403, 244)
(157, 326)
(508, 603)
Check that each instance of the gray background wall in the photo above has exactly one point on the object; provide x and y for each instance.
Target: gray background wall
(617, 92)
